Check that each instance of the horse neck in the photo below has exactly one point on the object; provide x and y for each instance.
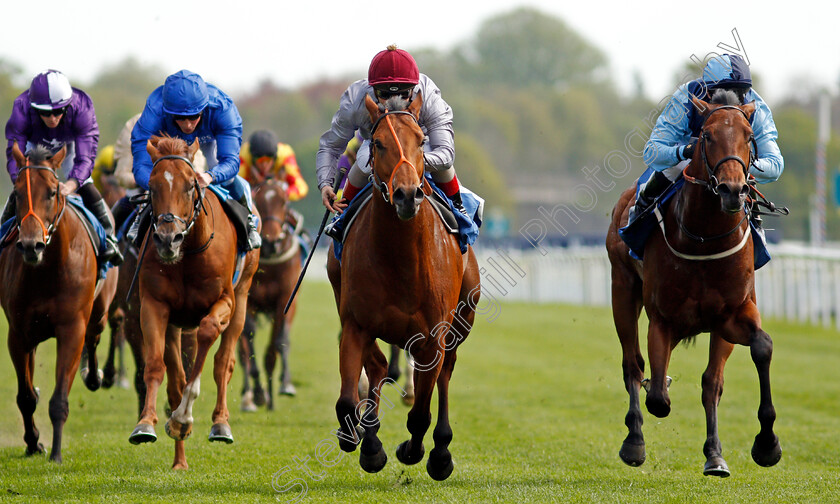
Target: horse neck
(203, 228)
(389, 233)
(699, 211)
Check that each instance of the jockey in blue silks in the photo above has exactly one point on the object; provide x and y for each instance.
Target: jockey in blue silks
(674, 137)
(186, 107)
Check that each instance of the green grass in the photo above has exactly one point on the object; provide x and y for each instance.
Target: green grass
(537, 412)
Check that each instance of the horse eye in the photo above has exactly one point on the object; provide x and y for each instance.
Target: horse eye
(52, 194)
(424, 141)
(378, 144)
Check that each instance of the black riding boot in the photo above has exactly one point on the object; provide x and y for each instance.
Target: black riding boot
(121, 210)
(100, 211)
(254, 238)
(656, 184)
(457, 203)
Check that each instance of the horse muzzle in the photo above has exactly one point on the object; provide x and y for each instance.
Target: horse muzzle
(732, 196)
(407, 202)
(168, 245)
(32, 250)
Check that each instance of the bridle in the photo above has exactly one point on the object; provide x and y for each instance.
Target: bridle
(285, 229)
(47, 231)
(387, 190)
(198, 204)
(713, 183)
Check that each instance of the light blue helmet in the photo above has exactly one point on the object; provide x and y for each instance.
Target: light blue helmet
(727, 71)
(185, 93)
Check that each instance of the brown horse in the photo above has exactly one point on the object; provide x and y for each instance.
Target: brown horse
(50, 289)
(404, 280)
(187, 280)
(697, 276)
(280, 264)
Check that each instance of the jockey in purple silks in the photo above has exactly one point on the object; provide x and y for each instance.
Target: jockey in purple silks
(53, 114)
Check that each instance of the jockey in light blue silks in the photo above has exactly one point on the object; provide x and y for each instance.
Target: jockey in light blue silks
(188, 108)
(674, 137)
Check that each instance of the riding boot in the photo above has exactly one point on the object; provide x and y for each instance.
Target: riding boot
(121, 211)
(457, 203)
(254, 238)
(656, 184)
(112, 250)
(9, 209)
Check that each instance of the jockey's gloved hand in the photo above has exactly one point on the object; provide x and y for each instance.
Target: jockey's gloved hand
(688, 150)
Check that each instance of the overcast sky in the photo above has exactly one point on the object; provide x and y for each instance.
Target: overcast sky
(235, 44)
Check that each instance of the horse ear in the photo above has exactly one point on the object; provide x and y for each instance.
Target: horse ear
(701, 106)
(416, 104)
(372, 107)
(749, 109)
(20, 159)
(58, 157)
(151, 147)
(192, 149)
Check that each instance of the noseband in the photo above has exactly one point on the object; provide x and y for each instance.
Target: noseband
(169, 217)
(712, 183)
(47, 231)
(387, 190)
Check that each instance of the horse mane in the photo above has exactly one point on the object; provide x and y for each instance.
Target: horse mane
(725, 97)
(395, 103)
(39, 154)
(169, 145)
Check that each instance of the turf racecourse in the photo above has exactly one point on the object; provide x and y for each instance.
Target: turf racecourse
(537, 411)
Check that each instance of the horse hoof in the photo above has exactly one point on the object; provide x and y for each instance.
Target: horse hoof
(248, 405)
(177, 430)
(220, 432)
(108, 379)
(38, 450)
(348, 445)
(766, 457)
(439, 466)
(405, 457)
(631, 454)
(288, 390)
(37, 395)
(260, 397)
(92, 382)
(373, 463)
(716, 466)
(143, 433)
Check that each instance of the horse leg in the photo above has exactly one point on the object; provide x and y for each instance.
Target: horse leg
(440, 466)
(745, 329)
(719, 352)
(254, 369)
(68, 353)
(350, 352)
(419, 416)
(394, 363)
(245, 350)
(176, 380)
(626, 308)
(372, 457)
(286, 386)
(153, 322)
(116, 317)
(27, 398)
(223, 369)
(660, 345)
(93, 332)
(134, 337)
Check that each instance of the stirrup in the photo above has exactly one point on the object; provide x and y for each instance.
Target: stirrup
(112, 252)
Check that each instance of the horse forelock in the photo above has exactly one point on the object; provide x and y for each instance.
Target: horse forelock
(39, 154)
(172, 146)
(725, 97)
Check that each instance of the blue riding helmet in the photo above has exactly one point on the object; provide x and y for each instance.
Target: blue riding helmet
(727, 71)
(185, 93)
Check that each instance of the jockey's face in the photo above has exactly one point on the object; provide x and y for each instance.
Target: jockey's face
(263, 165)
(53, 118)
(187, 124)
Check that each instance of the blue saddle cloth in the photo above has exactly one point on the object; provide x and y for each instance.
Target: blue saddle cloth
(468, 225)
(635, 234)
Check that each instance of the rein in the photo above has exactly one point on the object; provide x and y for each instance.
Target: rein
(47, 231)
(387, 190)
(290, 251)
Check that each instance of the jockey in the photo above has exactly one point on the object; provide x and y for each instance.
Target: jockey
(188, 108)
(103, 165)
(674, 137)
(54, 114)
(392, 72)
(263, 155)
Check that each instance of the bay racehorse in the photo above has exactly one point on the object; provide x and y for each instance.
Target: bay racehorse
(50, 289)
(280, 265)
(404, 280)
(697, 276)
(187, 280)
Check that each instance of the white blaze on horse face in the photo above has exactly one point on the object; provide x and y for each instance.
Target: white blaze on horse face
(169, 178)
(183, 414)
(269, 195)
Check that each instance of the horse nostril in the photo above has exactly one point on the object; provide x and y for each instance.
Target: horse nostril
(177, 239)
(399, 194)
(745, 189)
(40, 247)
(418, 194)
(723, 189)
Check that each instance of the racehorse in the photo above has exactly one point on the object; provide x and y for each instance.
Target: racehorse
(50, 289)
(187, 280)
(280, 265)
(697, 276)
(404, 280)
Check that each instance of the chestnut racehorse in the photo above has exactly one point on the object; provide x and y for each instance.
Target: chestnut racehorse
(697, 276)
(280, 264)
(404, 280)
(50, 289)
(187, 280)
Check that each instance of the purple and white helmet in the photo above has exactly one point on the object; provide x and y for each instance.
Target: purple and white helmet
(50, 90)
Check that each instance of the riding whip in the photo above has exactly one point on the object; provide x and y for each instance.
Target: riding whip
(336, 185)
